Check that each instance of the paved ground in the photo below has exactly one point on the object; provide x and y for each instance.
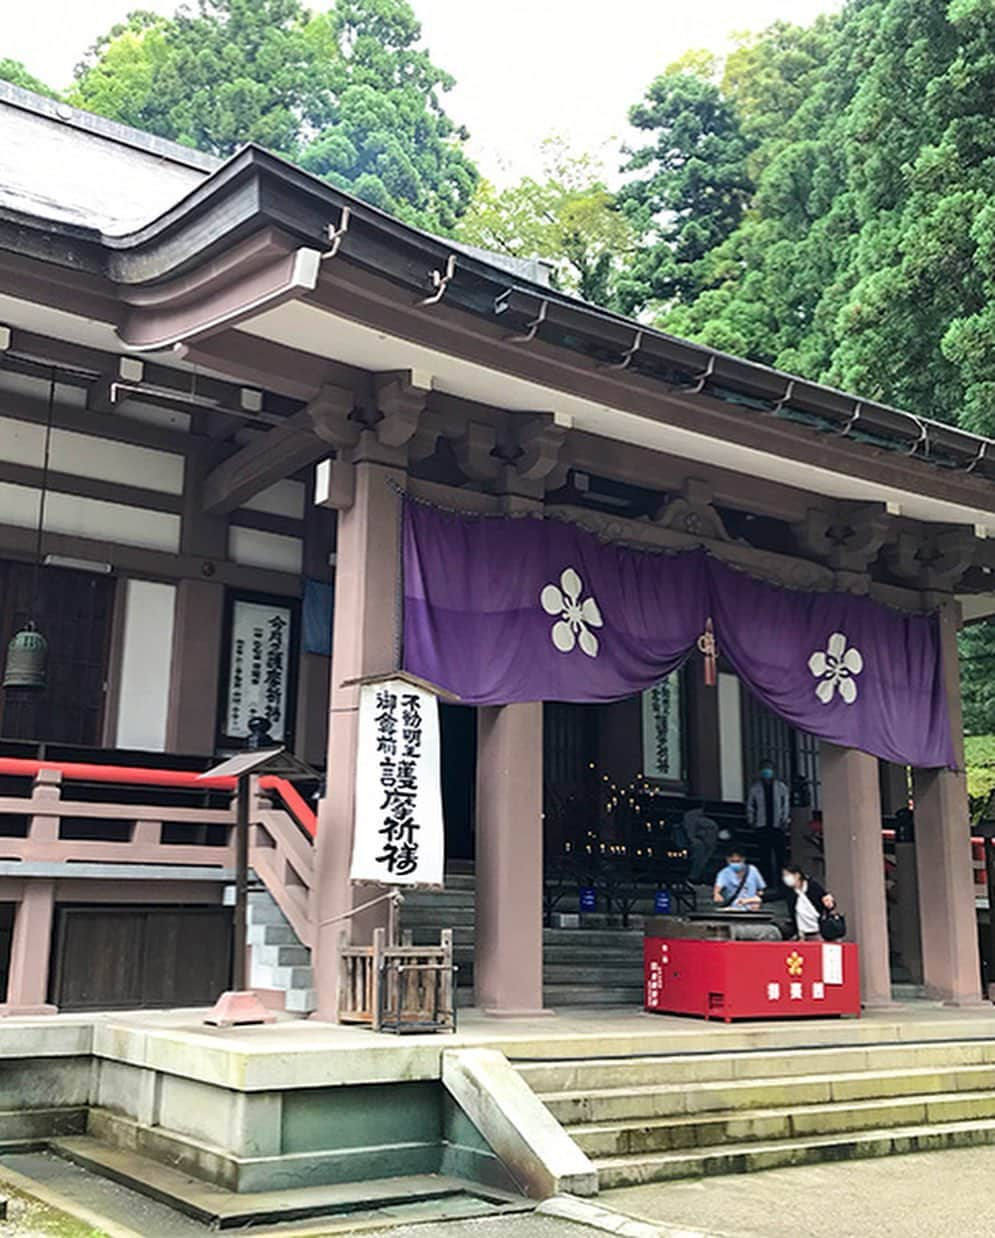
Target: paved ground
(27, 1218)
(929, 1195)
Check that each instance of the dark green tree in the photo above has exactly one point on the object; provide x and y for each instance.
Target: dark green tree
(346, 93)
(977, 678)
(865, 253)
(690, 190)
(382, 130)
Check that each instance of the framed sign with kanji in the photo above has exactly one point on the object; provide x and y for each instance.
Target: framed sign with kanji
(258, 670)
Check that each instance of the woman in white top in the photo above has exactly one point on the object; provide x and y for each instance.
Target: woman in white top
(808, 902)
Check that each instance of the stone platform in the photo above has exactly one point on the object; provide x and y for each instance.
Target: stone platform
(569, 1101)
(292, 1053)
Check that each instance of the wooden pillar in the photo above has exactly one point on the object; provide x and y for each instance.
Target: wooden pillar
(191, 721)
(365, 641)
(950, 962)
(851, 815)
(31, 950)
(508, 936)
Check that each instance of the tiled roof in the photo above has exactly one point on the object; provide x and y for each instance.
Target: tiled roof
(75, 168)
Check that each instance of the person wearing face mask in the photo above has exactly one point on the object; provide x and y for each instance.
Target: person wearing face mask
(739, 886)
(768, 813)
(808, 902)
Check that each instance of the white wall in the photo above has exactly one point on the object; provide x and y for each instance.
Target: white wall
(95, 518)
(255, 548)
(146, 661)
(730, 738)
(87, 455)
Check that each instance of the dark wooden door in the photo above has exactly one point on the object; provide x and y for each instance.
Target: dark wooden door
(73, 612)
(120, 958)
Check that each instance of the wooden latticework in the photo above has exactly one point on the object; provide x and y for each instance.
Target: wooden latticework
(398, 988)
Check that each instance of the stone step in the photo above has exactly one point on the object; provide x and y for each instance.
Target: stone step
(671, 1100)
(745, 1158)
(687, 1069)
(557, 995)
(428, 934)
(263, 910)
(613, 919)
(272, 935)
(609, 1139)
(222, 1209)
(430, 917)
(593, 937)
(557, 956)
(618, 973)
(301, 1001)
(284, 978)
(281, 956)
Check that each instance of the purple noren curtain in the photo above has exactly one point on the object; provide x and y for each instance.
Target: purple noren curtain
(499, 610)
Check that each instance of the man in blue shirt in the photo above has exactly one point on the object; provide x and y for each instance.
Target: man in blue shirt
(739, 886)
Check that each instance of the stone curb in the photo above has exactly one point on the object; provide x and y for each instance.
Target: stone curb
(596, 1216)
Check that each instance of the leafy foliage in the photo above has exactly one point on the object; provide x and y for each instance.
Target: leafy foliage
(821, 202)
(346, 93)
(692, 190)
(569, 218)
(977, 678)
(13, 71)
(979, 758)
(859, 248)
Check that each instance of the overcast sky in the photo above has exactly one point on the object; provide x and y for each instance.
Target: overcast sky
(525, 68)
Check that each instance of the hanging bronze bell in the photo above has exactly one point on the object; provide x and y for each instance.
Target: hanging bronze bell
(27, 654)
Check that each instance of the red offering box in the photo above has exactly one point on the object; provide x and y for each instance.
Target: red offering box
(751, 979)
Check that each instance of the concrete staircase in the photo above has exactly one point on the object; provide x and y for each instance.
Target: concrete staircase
(649, 1119)
(279, 961)
(597, 964)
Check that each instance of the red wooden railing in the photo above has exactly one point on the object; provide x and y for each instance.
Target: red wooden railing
(188, 779)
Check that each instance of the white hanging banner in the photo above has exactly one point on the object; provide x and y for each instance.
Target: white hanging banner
(398, 836)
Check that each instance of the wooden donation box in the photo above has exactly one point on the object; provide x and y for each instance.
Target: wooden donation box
(702, 965)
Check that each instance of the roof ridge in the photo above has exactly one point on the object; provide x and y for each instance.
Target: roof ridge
(111, 130)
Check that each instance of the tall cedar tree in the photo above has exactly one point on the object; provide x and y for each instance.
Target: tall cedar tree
(692, 189)
(865, 255)
(347, 93)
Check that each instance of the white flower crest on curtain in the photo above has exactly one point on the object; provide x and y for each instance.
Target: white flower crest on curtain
(835, 669)
(576, 617)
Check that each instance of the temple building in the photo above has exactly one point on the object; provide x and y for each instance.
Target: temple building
(259, 441)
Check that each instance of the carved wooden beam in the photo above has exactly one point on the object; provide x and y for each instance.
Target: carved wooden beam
(302, 439)
(935, 559)
(400, 402)
(528, 448)
(847, 536)
(779, 569)
(692, 512)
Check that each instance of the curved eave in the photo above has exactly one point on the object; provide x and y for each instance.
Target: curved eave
(252, 233)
